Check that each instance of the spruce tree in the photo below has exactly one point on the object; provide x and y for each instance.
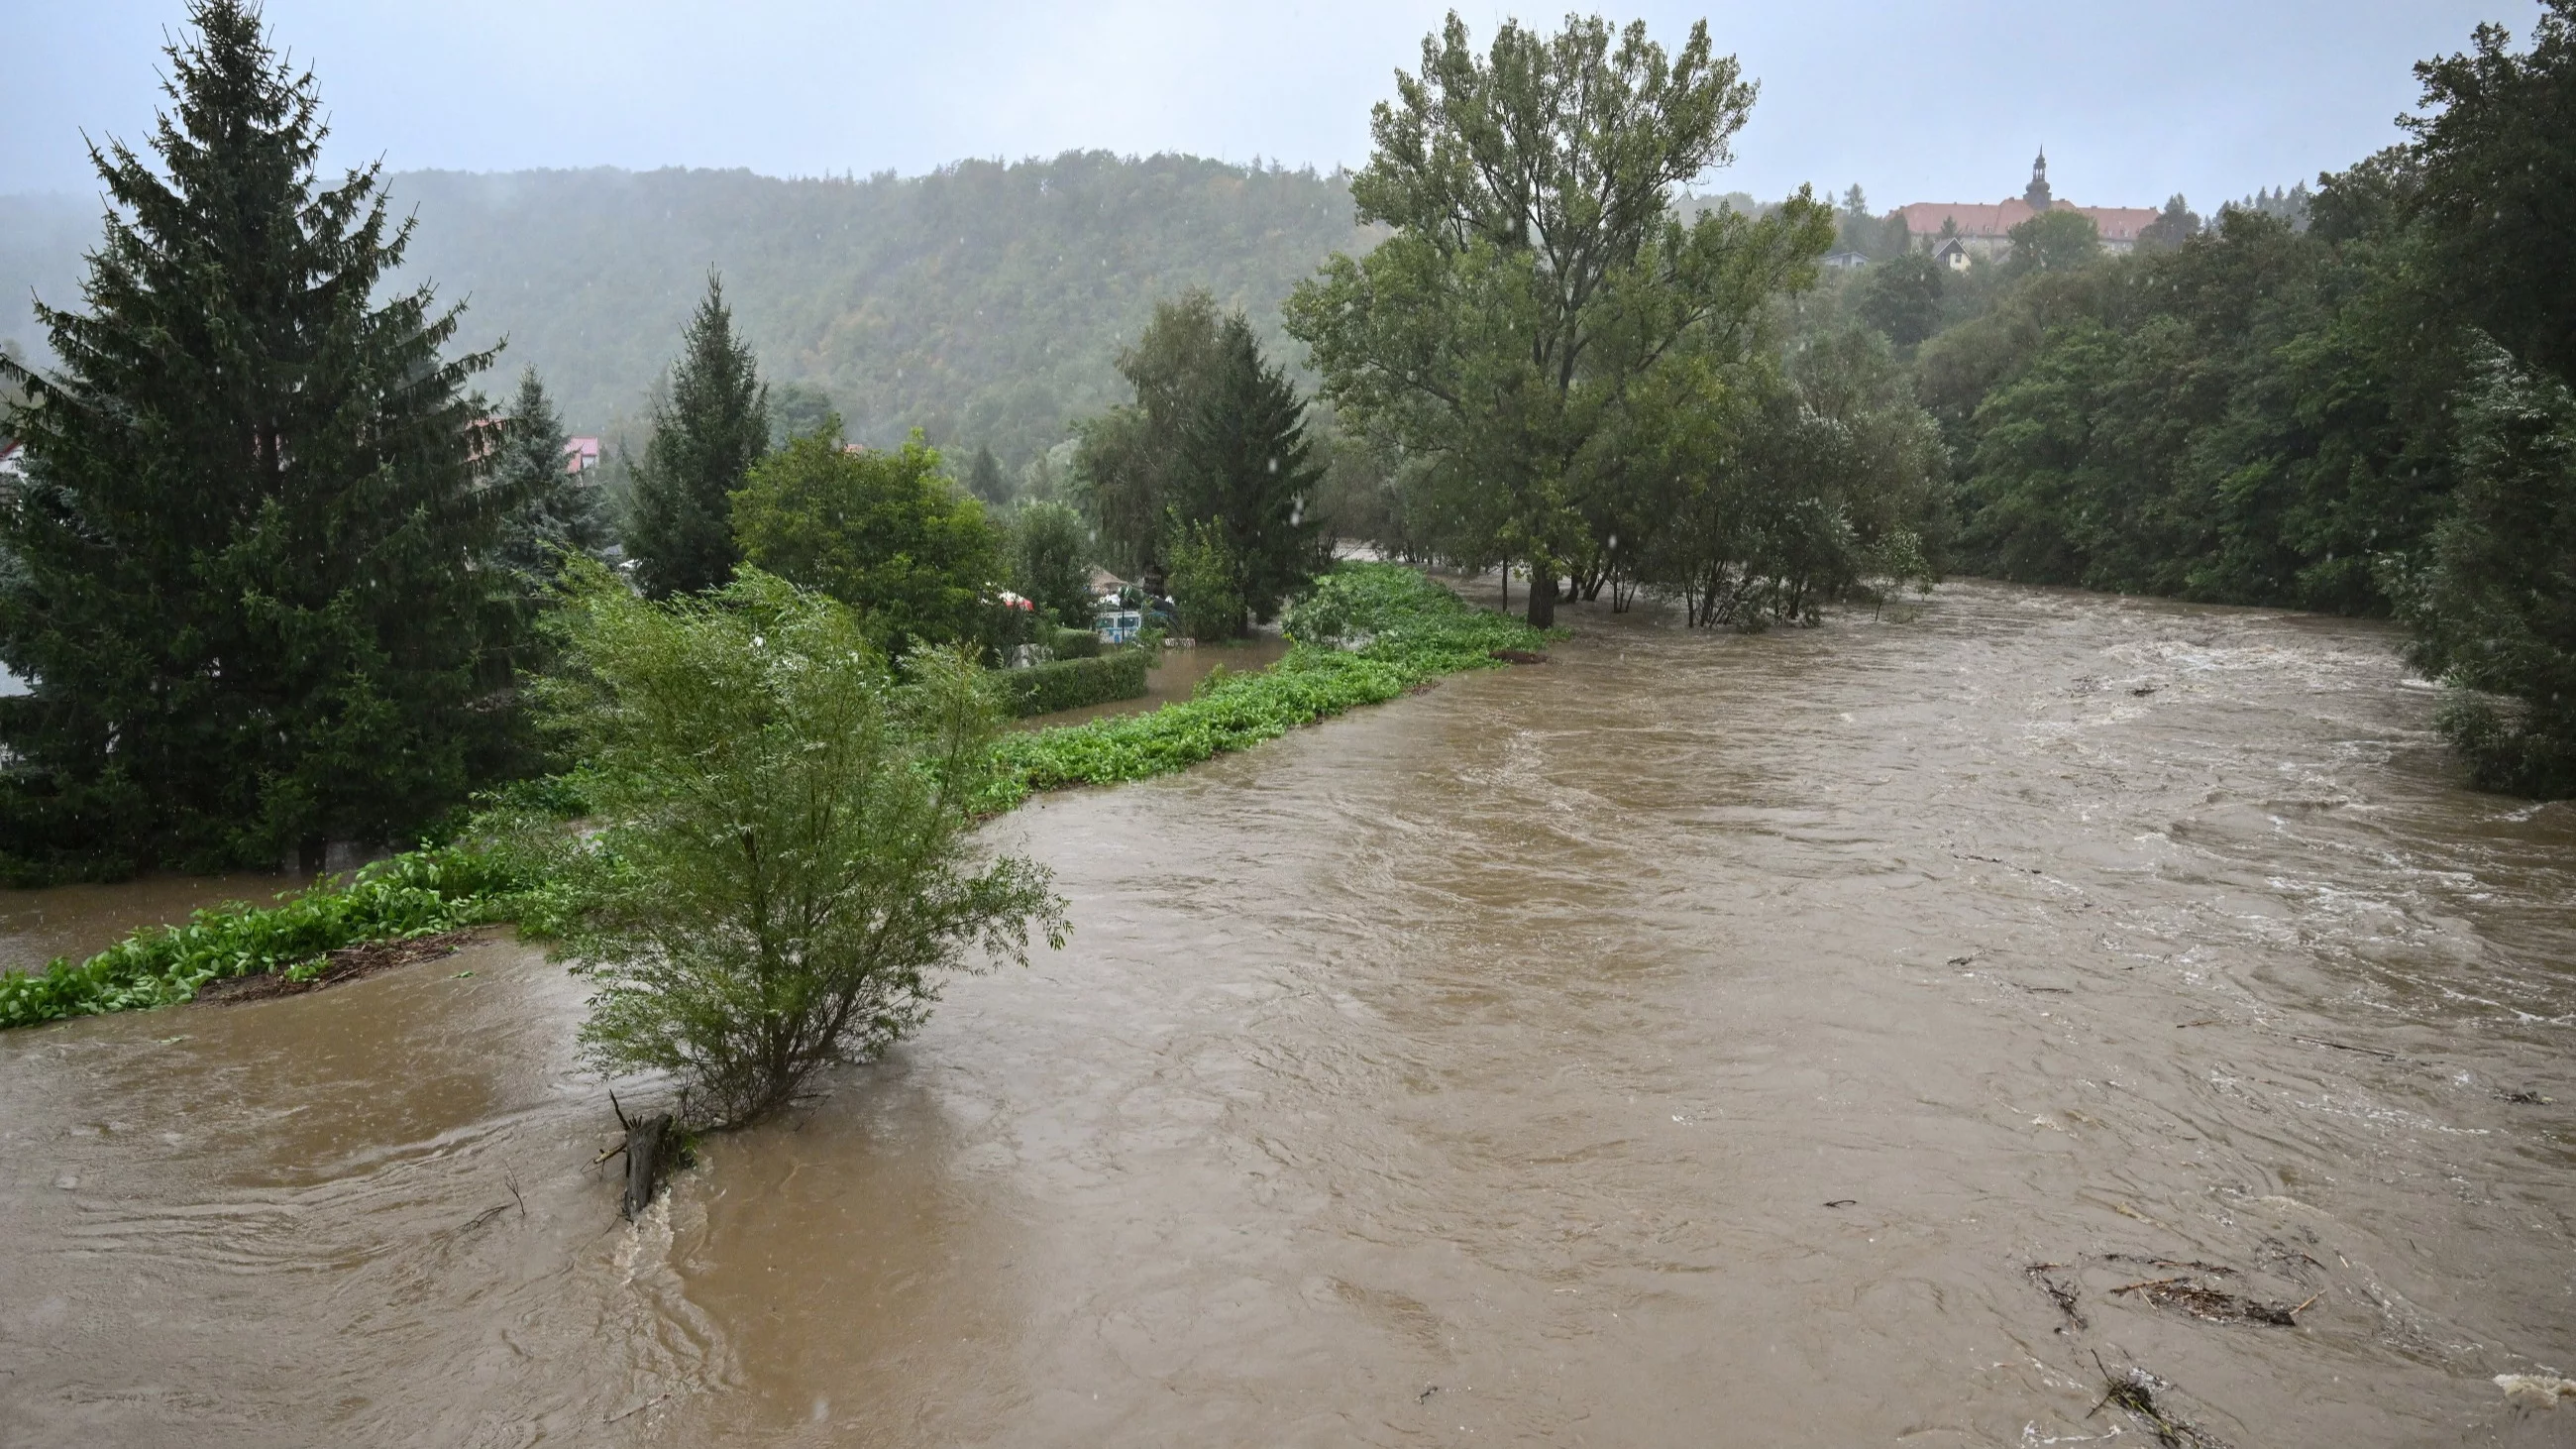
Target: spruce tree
(984, 478)
(561, 512)
(708, 430)
(1247, 471)
(243, 591)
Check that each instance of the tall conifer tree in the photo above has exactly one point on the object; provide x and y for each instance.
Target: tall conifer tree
(243, 593)
(562, 511)
(707, 432)
(1247, 470)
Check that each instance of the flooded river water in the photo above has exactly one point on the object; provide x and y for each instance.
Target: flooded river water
(1692, 1041)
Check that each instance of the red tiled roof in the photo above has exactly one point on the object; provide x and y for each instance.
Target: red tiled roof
(1996, 219)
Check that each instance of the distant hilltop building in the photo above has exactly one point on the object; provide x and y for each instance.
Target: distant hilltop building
(1957, 232)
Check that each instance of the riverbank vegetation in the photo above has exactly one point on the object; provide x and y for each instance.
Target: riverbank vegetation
(2353, 399)
(1366, 633)
(342, 599)
(783, 870)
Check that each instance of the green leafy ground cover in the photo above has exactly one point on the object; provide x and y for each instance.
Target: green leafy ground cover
(1367, 633)
(420, 893)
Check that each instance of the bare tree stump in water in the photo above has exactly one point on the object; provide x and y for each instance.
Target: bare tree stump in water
(644, 1141)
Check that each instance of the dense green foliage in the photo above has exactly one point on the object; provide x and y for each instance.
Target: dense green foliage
(2352, 414)
(2498, 178)
(1050, 561)
(2053, 241)
(1541, 317)
(1206, 581)
(1761, 502)
(708, 429)
(1367, 633)
(1246, 471)
(784, 869)
(1129, 460)
(239, 584)
(2251, 417)
(2493, 602)
(416, 894)
(561, 512)
(1075, 682)
(884, 532)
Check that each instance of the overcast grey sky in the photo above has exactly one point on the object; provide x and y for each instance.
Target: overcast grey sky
(1914, 99)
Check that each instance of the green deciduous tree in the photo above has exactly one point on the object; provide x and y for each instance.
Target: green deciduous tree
(1050, 562)
(1902, 297)
(2498, 168)
(1247, 471)
(884, 532)
(2493, 600)
(708, 429)
(242, 582)
(798, 408)
(1206, 580)
(562, 512)
(2053, 241)
(1128, 460)
(785, 870)
(1535, 270)
(1779, 491)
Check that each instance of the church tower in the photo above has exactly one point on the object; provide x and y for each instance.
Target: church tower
(2037, 192)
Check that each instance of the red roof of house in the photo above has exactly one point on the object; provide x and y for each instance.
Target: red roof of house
(1996, 219)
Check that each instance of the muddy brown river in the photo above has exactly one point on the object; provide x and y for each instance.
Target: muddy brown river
(1794, 1039)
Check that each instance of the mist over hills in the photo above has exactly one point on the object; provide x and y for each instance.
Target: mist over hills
(982, 303)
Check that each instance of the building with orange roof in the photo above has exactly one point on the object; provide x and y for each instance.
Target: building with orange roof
(1958, 232)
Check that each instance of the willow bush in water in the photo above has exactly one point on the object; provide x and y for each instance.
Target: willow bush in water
(783, 871)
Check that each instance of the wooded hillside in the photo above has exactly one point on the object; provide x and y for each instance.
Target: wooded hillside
(982, 303)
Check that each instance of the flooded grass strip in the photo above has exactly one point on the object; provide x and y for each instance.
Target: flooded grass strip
(1368, 633)
(420, 894)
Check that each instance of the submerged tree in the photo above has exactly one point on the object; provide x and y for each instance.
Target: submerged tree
(786, 868)
(707, 432)
(2493, 606)
(1535, 272)
(242, 588)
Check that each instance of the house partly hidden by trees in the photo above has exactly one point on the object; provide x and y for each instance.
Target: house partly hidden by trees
(1959, 232)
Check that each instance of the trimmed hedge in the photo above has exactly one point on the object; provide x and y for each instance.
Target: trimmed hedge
(1073, 683)
(1075, 644)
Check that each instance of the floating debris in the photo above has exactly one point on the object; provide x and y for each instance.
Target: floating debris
(2212, 1304)
(2547, 1391)
(2136, 1390)
(2062, 1292)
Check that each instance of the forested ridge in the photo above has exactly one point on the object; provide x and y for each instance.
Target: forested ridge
(982, 303)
